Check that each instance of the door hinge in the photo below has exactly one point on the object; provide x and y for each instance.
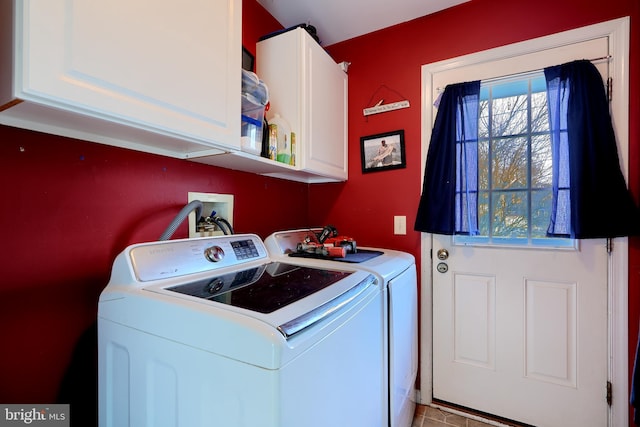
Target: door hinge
(609, 393)
(610, 88)
(609, 245)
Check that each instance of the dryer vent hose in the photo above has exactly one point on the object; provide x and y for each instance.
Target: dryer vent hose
(184, 213)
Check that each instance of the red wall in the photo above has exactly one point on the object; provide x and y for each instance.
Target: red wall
(386, 64)
(71, 206)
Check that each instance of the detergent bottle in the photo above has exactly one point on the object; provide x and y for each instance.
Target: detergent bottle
(283, 137)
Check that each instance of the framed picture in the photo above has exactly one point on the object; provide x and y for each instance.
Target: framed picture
(383, 151)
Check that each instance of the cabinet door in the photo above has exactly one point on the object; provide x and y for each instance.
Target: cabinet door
(160, 65)
(309, 90)
(326, 114)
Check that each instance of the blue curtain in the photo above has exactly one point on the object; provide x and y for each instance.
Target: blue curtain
(590, 196)
(448, 204)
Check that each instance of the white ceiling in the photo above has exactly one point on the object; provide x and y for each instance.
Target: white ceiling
(339, 20)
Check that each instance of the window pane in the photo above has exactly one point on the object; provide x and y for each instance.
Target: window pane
(541, 166)
(539, 112)
(483, 213)
(540, 212)
(483, 120)
(509, 116)
(483, 165)
(510, 211)
(509, 163)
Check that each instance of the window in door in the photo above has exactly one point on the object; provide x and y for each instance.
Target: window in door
(514, 164)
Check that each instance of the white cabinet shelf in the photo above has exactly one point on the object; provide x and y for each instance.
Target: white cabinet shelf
(248, 162)
(149, 75)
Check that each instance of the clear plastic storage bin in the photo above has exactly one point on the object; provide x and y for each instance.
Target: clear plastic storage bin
(254, 98)
(252, 123)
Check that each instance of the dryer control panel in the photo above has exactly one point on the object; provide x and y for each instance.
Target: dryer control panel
(285, 242)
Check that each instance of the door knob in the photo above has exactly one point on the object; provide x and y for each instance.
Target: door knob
(442, 254)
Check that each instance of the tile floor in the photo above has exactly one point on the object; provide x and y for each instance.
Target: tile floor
(426, 416)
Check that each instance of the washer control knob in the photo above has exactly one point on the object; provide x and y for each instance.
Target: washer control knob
(214, 253)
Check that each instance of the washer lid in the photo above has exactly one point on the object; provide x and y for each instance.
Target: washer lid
(265, 288)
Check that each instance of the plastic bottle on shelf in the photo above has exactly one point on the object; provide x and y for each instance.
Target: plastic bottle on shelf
(283, 137)
(292, 160)
(273, 142)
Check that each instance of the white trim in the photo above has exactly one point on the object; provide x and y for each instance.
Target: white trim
(619, 333)
(617, 31)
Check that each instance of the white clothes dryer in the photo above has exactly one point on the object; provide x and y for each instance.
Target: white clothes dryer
(396, 271)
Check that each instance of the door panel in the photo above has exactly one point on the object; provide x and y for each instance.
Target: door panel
(522, 333)
(551, 323)
(474, 320)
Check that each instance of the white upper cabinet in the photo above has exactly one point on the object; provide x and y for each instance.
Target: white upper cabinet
(159, 76)
(309, 90)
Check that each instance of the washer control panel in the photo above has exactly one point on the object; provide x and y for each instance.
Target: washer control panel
(245, 249)
(172, 258)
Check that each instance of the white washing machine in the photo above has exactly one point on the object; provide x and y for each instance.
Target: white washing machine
(213, 332)
(399, 307)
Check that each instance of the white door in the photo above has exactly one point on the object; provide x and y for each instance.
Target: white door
(520, 332)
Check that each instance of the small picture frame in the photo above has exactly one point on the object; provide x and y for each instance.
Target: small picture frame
(383, 151)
